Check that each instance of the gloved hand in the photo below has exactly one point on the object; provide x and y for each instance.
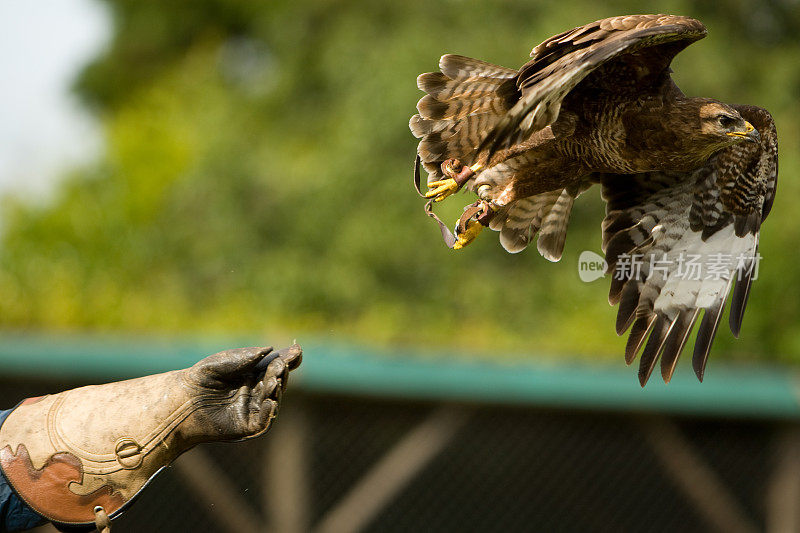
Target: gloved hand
(241, 391)
(87, 452)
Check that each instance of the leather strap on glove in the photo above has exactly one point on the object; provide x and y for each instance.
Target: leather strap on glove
(92, 449)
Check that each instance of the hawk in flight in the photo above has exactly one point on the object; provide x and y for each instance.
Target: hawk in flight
(687, 181)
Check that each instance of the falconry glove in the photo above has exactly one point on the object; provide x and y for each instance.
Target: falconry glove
(81, 456)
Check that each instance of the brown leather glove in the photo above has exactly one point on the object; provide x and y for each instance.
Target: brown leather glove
(70, 454)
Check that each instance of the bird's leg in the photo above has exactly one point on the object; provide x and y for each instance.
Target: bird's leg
(469, 226)
(457, 175)
(470, 233)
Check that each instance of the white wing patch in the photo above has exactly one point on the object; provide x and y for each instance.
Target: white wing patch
(687, 287)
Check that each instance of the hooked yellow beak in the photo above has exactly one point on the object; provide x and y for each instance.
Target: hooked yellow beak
(749, 134)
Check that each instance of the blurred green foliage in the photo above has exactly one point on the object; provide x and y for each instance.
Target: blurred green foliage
(257, 177)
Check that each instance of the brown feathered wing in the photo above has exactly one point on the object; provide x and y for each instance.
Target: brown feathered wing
(677, 243)
(473, 108)
(559, 64)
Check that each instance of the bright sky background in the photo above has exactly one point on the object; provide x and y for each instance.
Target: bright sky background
(43, 130)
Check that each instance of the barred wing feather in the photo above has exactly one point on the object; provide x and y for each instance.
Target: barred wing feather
(676, 244)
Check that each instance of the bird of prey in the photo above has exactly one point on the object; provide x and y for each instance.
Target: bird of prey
(688, 181)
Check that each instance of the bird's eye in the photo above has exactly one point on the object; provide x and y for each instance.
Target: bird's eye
(726, 121)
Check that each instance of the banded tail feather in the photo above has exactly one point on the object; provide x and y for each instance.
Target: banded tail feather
(464, 100)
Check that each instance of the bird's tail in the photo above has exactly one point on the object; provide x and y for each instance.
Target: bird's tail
(463, 102)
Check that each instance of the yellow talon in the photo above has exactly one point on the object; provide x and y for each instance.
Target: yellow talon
(441, 189)
(473, 230)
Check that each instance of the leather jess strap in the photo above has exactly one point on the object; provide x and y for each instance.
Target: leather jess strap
(447, 235)
(480, 210)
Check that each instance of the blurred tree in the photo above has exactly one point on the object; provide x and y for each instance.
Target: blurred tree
(257, 175)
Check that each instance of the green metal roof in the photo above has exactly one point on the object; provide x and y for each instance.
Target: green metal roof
(727, 391)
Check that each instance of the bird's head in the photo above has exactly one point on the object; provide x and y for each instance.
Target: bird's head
(722, 125)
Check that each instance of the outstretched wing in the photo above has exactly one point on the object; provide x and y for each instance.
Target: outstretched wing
(676, 243)
(643, 46)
